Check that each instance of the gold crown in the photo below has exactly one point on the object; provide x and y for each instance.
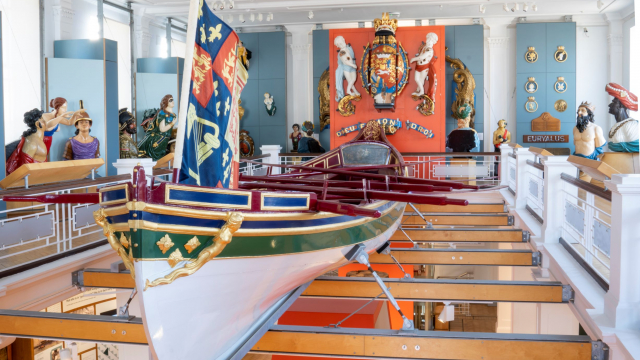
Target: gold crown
(532, 79)
(391, 24)
(587, 105)
(560, 78)
(531, 48)
(560, 47)
(531, 98)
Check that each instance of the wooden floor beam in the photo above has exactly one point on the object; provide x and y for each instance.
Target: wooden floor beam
(88, 328)
(412, 218)
(461, 235)
(441, 290)
(471, 208)
(317, 341)
(459, 257)
(102, 278)
(389, 344)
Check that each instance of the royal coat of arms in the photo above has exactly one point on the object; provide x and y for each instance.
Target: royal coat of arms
(385, 69)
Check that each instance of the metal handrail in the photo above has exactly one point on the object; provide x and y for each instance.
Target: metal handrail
(450, 154)
(263, 156)
(64, 185)
(301, 154)
(535, 165)
(588, 187)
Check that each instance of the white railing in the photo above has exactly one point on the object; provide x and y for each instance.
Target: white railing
(535, 189)
(586, 225)
(480, 168)
(252, 168)
(36, 230)
(511, 173)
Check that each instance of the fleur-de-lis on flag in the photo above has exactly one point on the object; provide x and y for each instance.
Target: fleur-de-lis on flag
(215, 33)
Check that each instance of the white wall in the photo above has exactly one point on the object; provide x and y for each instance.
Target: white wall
(591, 72)
(21, 63)
(119, 32)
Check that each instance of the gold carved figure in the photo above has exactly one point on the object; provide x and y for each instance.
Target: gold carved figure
(324, 98)
(466, 85)
(560, 105)
(501, 136)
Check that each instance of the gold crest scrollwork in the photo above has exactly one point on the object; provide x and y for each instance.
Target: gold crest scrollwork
(346, 107)
(124, 241)
(108, 230)
(192, 244)
(427, 106)
(175, 257)
(165, 243)
(224, 237)
(466, 85)
(531, 55)
(324, 99)
(561, 54)
(560, 105)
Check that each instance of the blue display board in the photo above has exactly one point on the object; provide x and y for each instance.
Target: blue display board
(466, 42)
(155, 78)
(545, 38)
(321, 49)
(267, 73)
(87, 70)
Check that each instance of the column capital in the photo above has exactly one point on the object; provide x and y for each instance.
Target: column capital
(498, 42)
(624, 184)
(297, 29)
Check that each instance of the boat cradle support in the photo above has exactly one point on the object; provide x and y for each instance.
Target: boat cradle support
(359, 254)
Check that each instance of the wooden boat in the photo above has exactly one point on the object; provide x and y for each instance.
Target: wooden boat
(212, 265)
(208, 263)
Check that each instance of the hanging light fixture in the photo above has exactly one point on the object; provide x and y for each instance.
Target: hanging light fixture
(252, 17)
(505, 7)
(260, 17)
(482, 9)
(230, 19)
(534, 7)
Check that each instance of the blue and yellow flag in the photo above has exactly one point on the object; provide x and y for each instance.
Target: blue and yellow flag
(210, 153)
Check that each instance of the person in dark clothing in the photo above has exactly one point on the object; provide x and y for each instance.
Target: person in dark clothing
(309, 145)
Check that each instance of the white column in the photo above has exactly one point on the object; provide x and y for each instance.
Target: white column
(505, 150)
(63, 14)
(553, 212)
(142, 35)
(522, 155)
(614, 39)
(300, 92)
(274, 158)
(622, 301)
(497, 82)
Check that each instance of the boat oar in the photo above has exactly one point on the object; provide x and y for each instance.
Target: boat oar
(92, 198)
(380, 177)
(375, 185)
(362, 194)
(345, 209)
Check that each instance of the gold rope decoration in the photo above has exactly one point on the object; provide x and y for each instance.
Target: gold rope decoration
(109, 232)
(234, 220)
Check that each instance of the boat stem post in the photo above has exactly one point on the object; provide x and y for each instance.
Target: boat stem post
(363, 258)
(429, 224)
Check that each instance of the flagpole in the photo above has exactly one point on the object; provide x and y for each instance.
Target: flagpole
(194, 8)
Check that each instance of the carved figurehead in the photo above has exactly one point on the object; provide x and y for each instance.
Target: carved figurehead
(154, 144)
(82, 146)
(501, 136)
(346, 70)
(623, 136)
(464, 138)
(31, 148)
(425, 69)
(588, 137)
(269, 104)
(128, 128)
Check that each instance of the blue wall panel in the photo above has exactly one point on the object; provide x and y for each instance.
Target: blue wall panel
(172, 65)
(112, 132)
(267, 73)
(150, 89)
(466, 42)
(75, 80)
(546, 37)
(322, 46)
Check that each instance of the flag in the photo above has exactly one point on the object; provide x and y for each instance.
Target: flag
(210, 153)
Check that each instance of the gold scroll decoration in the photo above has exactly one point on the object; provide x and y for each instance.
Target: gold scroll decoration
(325, 100)
(234, 221)
(545, 122)
(346, 107)
(427, 106)
(464, 91)
(109, 232)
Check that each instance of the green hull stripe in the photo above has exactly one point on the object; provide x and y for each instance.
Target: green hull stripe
(247, 246)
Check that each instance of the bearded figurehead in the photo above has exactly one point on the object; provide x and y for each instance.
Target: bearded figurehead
(588, 137)
(623, 136)
(128, 127)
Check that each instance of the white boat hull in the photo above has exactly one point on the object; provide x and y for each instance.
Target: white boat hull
(204, 315)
